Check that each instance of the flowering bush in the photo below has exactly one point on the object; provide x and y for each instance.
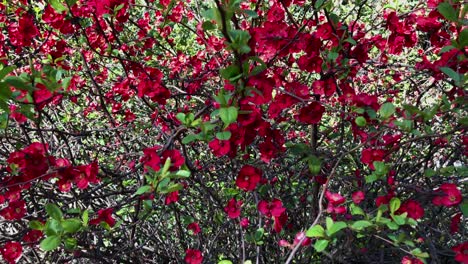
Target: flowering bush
(223, 131)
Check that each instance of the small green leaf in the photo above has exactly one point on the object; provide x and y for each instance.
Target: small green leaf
(50, 243)
(464, 208)
(329, 222)
(143, 189)
(5, 71)
(225, 261)
(225, 135)
(392, 225)
(360, 121)
(316, 231)
(452, 74)
(400, 219)
(183, 174)
(59, 7)
(394, 204)
(228, 115)
(53, 227)
(85, 217)
(36, 225)
(70, 243)
(361, 224)
(337, 226)
(321, 245)
(387, 110)
(54, 211)
(447, 10)
(189, 138)
(71, 225)
(356, 210)
(18, 83)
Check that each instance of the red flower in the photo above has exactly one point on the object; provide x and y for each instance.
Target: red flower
(358, 197)
(151, 158)
(220, 147)
(171, 198)
(86, 174)
(461, 253)
(177, 159)
(104, 215)
(447, 195)
(370, 155)
(193, 256)
(194, 227)
(233, 208)
(410, 260)
(279, 222)
(248, 178)
(11, 252)
(244, 222)
(455, 223)
(334, 198)
(273, 208)
(15, 210)
(32, 236)
(413, 209)
(311, 114)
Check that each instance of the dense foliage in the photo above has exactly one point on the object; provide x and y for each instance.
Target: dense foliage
(233, 131)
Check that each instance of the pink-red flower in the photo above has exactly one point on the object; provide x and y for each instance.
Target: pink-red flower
(11, 251)
(447, 195)
(273, 208)
(357, 197)
(233, 207)
(193, 256)
(248, 178)
(461, 252)
(413, 209)
(104, 215)
(311, 114)
(194, 227)
(411, 260)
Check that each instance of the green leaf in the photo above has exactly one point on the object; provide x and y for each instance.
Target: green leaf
(167, 165)
(394, 204)
(360, 121)
(70, 243)
(228, 115)
(400, 219)
(315, 164)
(392, 225)
(225, 261)
(54, 211)
(5, 71)
(356, 210)
(387, 110)
(447, 10)
(231, 73)
(316, 231)
(50, 243)
(36, 225)
(329, 222)
(321, 245)
(225, 135)
(71, 225)
(143, 189)
(452, 74)
(53, 227)
(183, 174)
(462, 38)
(18, 83)
(189, 138)
(3, 120)
(464, 208)
(85, 217)
(361, 224)
(59, 7)
(337, 226)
